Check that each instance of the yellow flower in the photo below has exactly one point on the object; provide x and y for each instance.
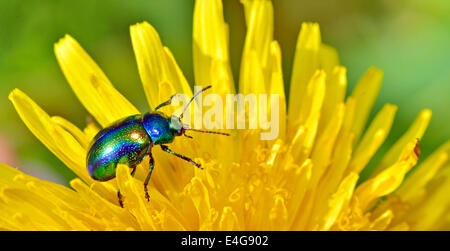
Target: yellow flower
(307, 179)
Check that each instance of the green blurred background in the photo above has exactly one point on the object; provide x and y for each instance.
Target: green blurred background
(408, 39)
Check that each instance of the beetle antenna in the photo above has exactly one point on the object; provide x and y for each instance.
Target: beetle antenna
(221, 133)
(193, 97)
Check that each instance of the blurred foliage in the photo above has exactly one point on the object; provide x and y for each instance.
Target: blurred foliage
(408, 39)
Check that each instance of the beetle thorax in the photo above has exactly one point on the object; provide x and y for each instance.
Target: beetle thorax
(158, 128)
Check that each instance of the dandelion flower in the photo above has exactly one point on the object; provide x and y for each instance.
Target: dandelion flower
(306, 179)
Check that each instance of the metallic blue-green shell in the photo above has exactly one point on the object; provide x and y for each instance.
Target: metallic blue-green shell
(158, 127)
(125, 142)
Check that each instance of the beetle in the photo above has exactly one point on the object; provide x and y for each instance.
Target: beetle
(129, 140)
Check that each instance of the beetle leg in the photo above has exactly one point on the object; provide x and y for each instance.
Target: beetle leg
(119, 195)
(168, 102)
(134, 171)
(165, 148)
(184, 133)
(151, 165)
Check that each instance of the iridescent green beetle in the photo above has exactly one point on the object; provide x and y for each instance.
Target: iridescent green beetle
(129, 140)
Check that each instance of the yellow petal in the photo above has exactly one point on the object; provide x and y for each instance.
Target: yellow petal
(328, 58)
(321, 157)
(365, 94)
(107, 211)
(90, 84)
(210, 32)
(400, 227)
(277, 87)
(382, 222)
(342, 153)
(148, 49)
(33, 212)
(211, 46)
(200, 198)
(228, 220)
(51, 134)
(414, 186)
(175, 75)
(306, 61)
(259, 30)
(415, 131)
(133, 198)
(221, 78)
(335, 172)
(170, 223)
(431, 212)
(389, 179)
(156, 64)
(251, 79)
(373, 138)
(301, 181)
(91, 130)
(338, 201)
(335, 93)
(324, 146)
(278, 215)
(31, 204)
(166, 91)
(255, 63)
(296, 146)
(309, 114)
(75, 131)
